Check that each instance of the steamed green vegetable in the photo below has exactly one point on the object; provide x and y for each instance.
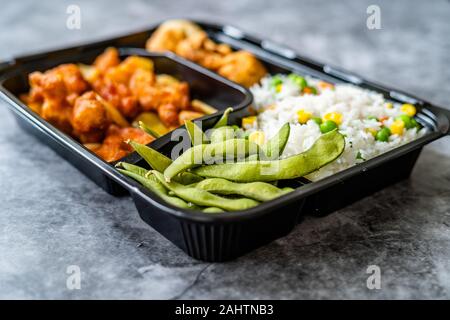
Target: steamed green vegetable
(195, 133)
(327, 126)
(383, 134)
(223, 121)
(193, 181)
(260, 191)
(298, 80)
(151, 183)
(213, 210)
(149, 130)
(160, 162)
(222, 134)
(275, 146)
(204, 198)
(326, 149)
(209, 153)
(132, 168)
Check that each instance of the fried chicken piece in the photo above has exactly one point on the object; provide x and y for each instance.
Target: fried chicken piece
(73, 80)
(140, 80)
(36, 106)
(173, 91)
(170, 34)
(202, 50)
(242, 67)
(107, 60)
(168, 113)
(113, 85)
(123, 72)
(58, 113)
(63, 82)
(94, 73)
(89, 118)
(191, 42)
(119, 96)
(188, 115)
(166, 80)
(57, 90)
(163, 94)
(151, 98)
(114, 146)
(120, 89)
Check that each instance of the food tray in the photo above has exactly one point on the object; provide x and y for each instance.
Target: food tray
(224, 236)
(204, 85)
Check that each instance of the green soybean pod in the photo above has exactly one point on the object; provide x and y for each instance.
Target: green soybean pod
(160, 162)
(156, 187)
(260, 191)
(155, 159)
(192, 185)
(223, 121)
(195, 133)
(204, 198)
(147, 129)
(132, 168)
(253, 157)
(222, 134)
(275, 146)
(207, 153)
(212, 210)
(326, 149)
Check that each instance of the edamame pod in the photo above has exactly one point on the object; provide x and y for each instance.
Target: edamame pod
(155, 159)
(275, 146)
(260, 191)
(210, 153)
(132, 168)
(253, 157)
(148, 130)
(223, 121)
(327, 148)
(205, 198)
(222, 134)
(195, 133)
(212, 210)
(160, 162)
(156, 187)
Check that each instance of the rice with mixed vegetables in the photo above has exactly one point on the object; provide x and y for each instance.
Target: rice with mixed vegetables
(371, 124)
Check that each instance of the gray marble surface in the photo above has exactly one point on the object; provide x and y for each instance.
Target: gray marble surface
(51, 216)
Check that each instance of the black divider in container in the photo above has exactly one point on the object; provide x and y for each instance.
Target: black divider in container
(203, 84)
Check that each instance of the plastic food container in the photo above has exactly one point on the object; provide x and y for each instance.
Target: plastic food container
(224, 236)
(204, 85)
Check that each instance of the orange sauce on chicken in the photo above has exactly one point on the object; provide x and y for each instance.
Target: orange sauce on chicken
(95, 103)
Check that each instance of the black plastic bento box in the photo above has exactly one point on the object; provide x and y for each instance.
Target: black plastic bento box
(224, 236)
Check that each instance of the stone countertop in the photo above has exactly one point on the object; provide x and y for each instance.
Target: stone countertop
(51, 216)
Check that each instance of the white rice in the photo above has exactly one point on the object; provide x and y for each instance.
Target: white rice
(355, 104)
